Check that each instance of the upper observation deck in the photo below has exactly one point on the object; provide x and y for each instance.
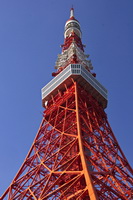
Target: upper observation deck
(83, 77)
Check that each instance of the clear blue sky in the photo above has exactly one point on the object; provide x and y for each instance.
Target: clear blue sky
(31, 32)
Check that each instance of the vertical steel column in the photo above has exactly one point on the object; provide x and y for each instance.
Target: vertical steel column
(90, 187)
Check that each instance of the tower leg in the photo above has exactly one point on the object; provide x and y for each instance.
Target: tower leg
(91, 190)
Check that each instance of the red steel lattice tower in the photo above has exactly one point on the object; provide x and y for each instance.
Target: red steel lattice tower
(75, 155)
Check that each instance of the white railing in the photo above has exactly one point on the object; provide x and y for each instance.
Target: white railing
(74, 71)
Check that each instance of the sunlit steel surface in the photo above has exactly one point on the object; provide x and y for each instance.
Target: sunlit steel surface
(82, 76)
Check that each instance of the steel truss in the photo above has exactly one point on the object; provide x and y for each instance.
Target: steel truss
(75, 155)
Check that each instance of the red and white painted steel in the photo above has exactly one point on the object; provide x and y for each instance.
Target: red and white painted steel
(75, 155)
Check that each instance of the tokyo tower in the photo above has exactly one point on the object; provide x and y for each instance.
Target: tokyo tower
(75, 155)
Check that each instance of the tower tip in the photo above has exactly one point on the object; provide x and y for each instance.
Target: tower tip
(72, 7)
(72, 12)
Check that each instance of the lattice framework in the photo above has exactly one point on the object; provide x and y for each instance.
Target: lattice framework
(75, 154)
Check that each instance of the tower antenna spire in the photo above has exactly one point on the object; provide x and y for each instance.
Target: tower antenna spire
(72, 12)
